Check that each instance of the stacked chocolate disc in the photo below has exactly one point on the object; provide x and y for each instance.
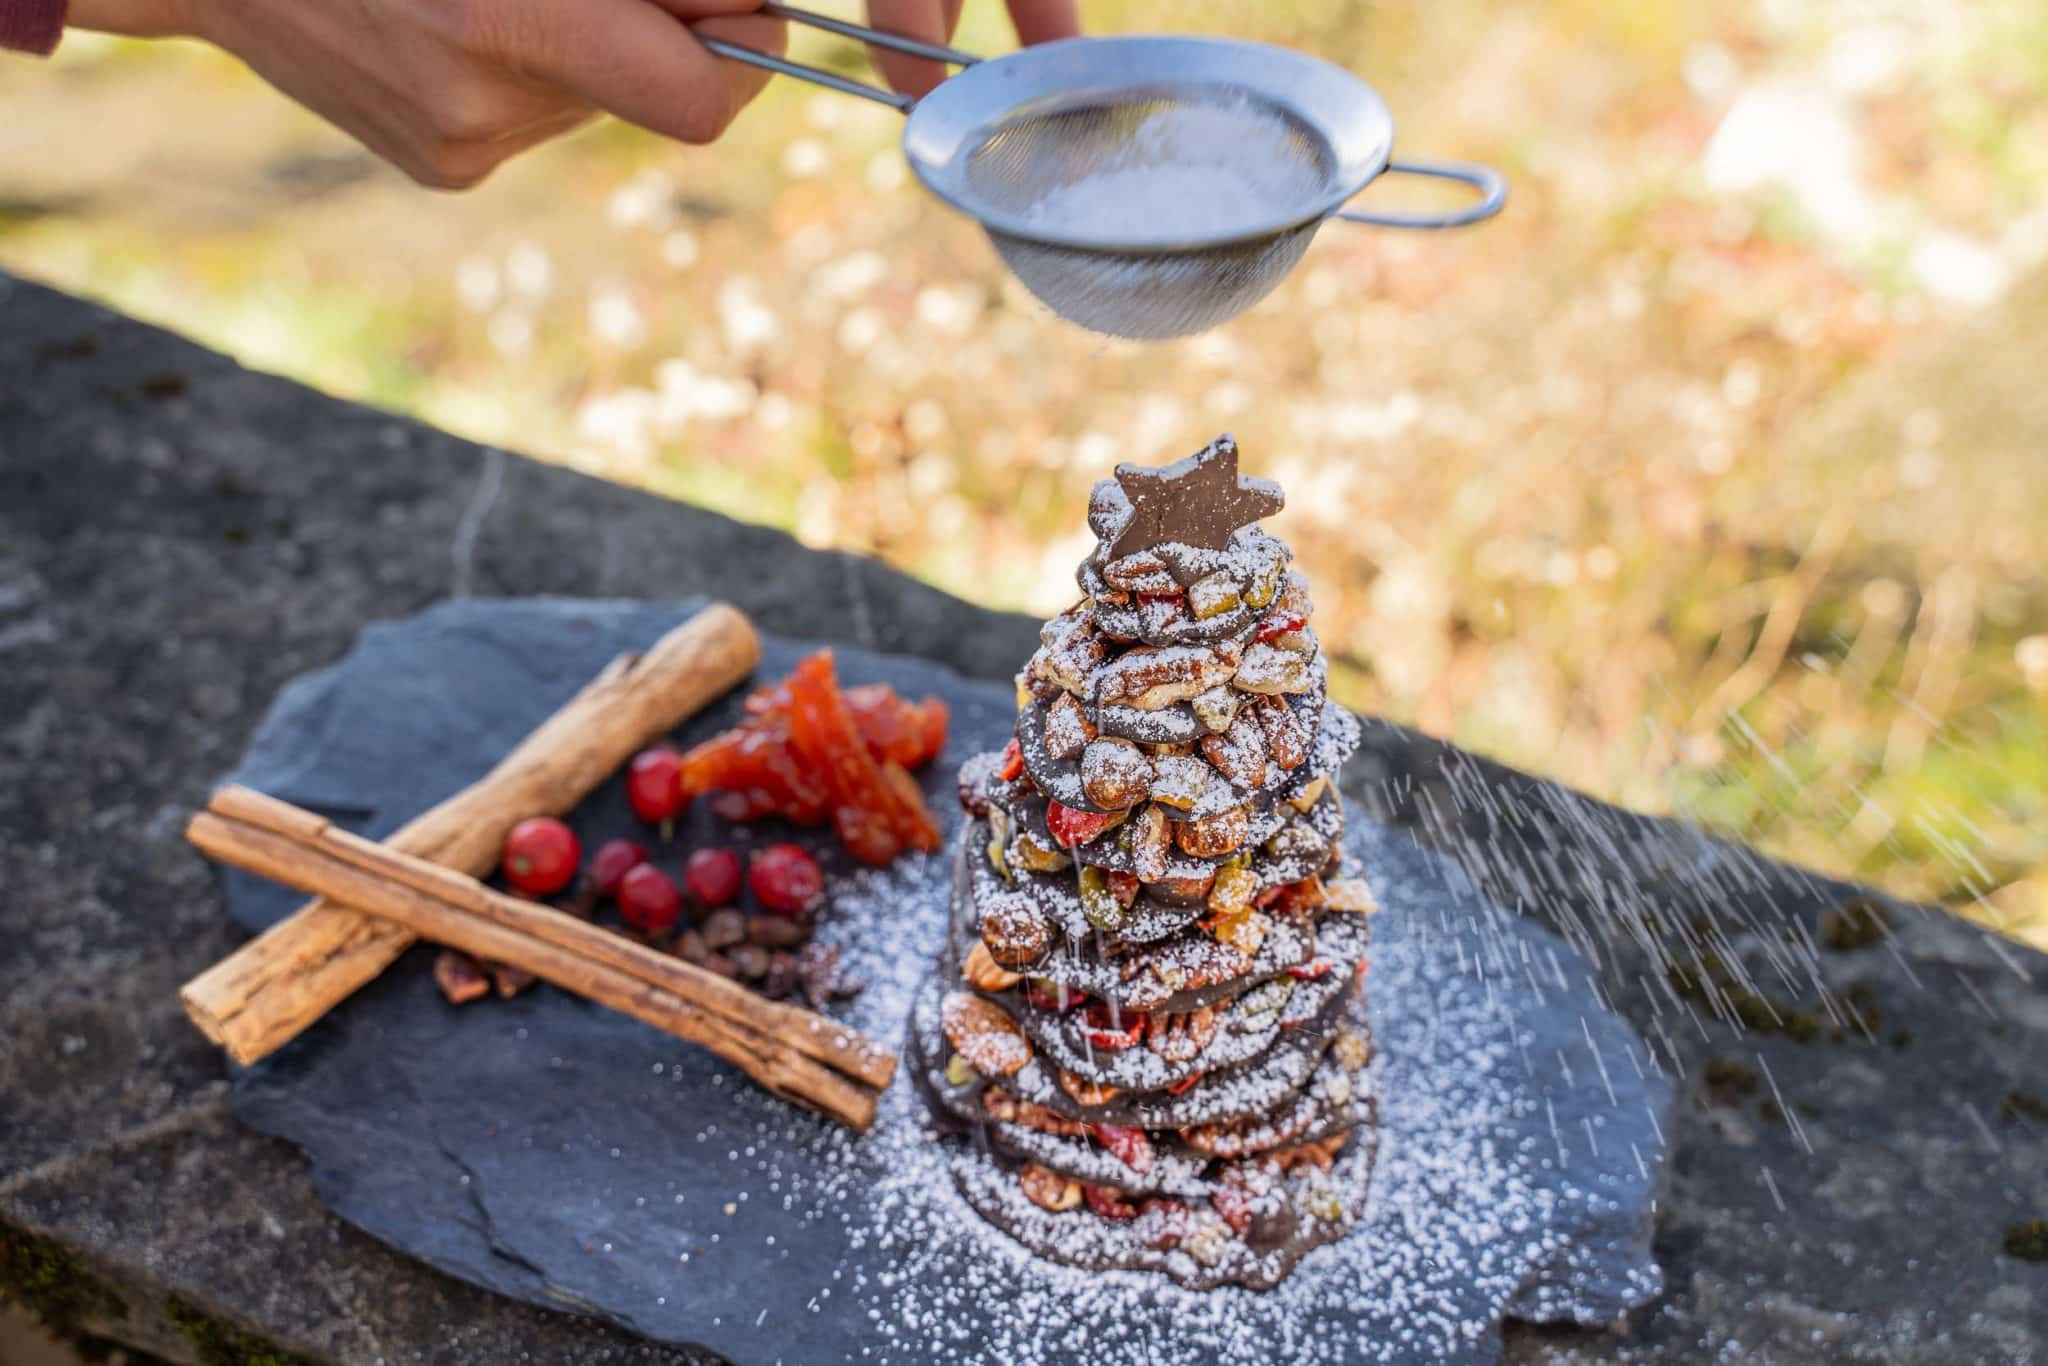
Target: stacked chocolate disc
(1148, 1010)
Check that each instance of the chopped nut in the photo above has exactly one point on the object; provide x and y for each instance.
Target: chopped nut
(776, 931)
(1212, 596)
(1005, 1108)
(1310, 795)
(1292, 600)
(1086, 1092)
(1213, 836)
(720, 964)
(1351, 894)
(1301, 642)
(983, 1033)
(1115, 774)
(1067, 727)
(983, 973)
(750, 959)
(1351, 1051)
(510, 981)
(723, 929)
(1178, 780)
(1271, 671)
(1318, 1153)
(1287, 734)
(1183, 1036)
(1068, 652)
(1186, 888)
(1016, 936)
(1217, 707)
(958, 1073)
(1048, 1190)
(1151, 839)
(1296, 841)
(1239, 754)
(1152, 677)
(1266, 582)
(460, 977)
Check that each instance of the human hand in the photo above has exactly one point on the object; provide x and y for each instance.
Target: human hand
(933, 21)
(448, 89)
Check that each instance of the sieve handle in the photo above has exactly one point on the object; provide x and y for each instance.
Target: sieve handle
(832, 80)
(1491, 184)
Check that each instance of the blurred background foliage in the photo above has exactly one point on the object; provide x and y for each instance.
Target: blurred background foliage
(1709, 478)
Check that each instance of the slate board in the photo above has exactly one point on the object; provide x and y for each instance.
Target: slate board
(556, 1152)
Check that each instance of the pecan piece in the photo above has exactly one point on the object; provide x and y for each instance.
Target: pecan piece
(1178, 780)
(1151, 840)
(1217, 707)
(983, 973)
(1016, 936)
(1182, 1037)
(1005, 1108)
(1318, 1153)
(1143, 572)
(1067, 728)
(1086, 1092)
(1115, 774)
(1068, 651)
(1151, 677)
(1239, 753)
(1048, 1190)
(983, 1033)
(1213, 836)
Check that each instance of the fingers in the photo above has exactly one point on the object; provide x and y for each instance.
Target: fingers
(638, 61)
(928, 21)
(1041, 21)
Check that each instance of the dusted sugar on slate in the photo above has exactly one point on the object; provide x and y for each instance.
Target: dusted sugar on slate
(1147, 1017)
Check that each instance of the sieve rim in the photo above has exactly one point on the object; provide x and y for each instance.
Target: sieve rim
(962, 113)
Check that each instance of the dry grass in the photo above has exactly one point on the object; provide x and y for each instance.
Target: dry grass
(1697, 499)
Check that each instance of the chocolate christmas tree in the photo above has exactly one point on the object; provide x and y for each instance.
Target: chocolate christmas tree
(1147, 1015)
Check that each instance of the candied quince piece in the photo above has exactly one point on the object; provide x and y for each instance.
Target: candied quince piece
(1067, 727)
(1233, 890)
(1214, 836)
(1098, 902)
(1239, 753)
(1272, 671)
(868, 812)
(1212, 596)
(1310, 795)
(910, 733)
(1351, 894)
(1151, 677)
(1151, 841)
(1005, 1108)
(1048, 1190)
(1026, 852)
(1178, 780)
(1216, 708)
(1115, 774)
(1129, 1145)
(983, 1033)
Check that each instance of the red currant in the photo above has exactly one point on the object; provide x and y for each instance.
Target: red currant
(612, 861)
(541, 855)
(653, 786)
(648, 900)
(713, 877)
(786, 880)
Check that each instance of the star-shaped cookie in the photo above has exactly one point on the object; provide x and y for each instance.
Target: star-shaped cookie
(1199, 501)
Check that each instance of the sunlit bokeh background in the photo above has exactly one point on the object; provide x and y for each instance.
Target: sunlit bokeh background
(1708, 479)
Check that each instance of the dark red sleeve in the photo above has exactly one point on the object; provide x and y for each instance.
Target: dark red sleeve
(31, 25)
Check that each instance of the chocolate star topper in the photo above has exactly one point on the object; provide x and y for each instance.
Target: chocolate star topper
(1199, 501)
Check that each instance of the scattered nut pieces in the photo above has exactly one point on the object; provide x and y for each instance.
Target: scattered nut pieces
(1067, 727)
(983, 1033)
(776, 931)
(1351, 1050)
(750, 959)
(1048, 1190)
(1016, 936)
(1068, 652)
(1351, 894)
(1115, 774)
(1318, 1153)
(983, 973)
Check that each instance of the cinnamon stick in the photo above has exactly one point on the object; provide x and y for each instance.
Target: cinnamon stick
(270, 990)
(777, 1045)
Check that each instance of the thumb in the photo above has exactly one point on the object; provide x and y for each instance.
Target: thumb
(640, 62)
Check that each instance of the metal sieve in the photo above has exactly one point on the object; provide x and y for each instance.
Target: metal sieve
(1145, 187)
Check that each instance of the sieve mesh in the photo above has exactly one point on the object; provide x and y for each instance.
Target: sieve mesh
(1151, 212)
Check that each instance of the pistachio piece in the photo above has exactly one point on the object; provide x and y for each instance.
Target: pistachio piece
(1266, 582)
(1212, 596)
(1115, 774)
(983, 1033)
(958, 1073)
(1099, 904)
(1026, 852)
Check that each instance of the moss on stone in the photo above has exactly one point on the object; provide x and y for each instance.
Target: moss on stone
(1857, 925)
(1729, 1079)
(2023, 1105)
(2028, 1241)
(222, 1344)
(53, 1285)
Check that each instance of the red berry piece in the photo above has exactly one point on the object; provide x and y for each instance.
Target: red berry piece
(1308, 972)
(1108, 1203)
(712, 876)
(786, 880)
(612, 861)
(541, 855)
(1071, 827)
(1129, 1144)
(648, 900)
(653, 786)
(1110, 1029)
